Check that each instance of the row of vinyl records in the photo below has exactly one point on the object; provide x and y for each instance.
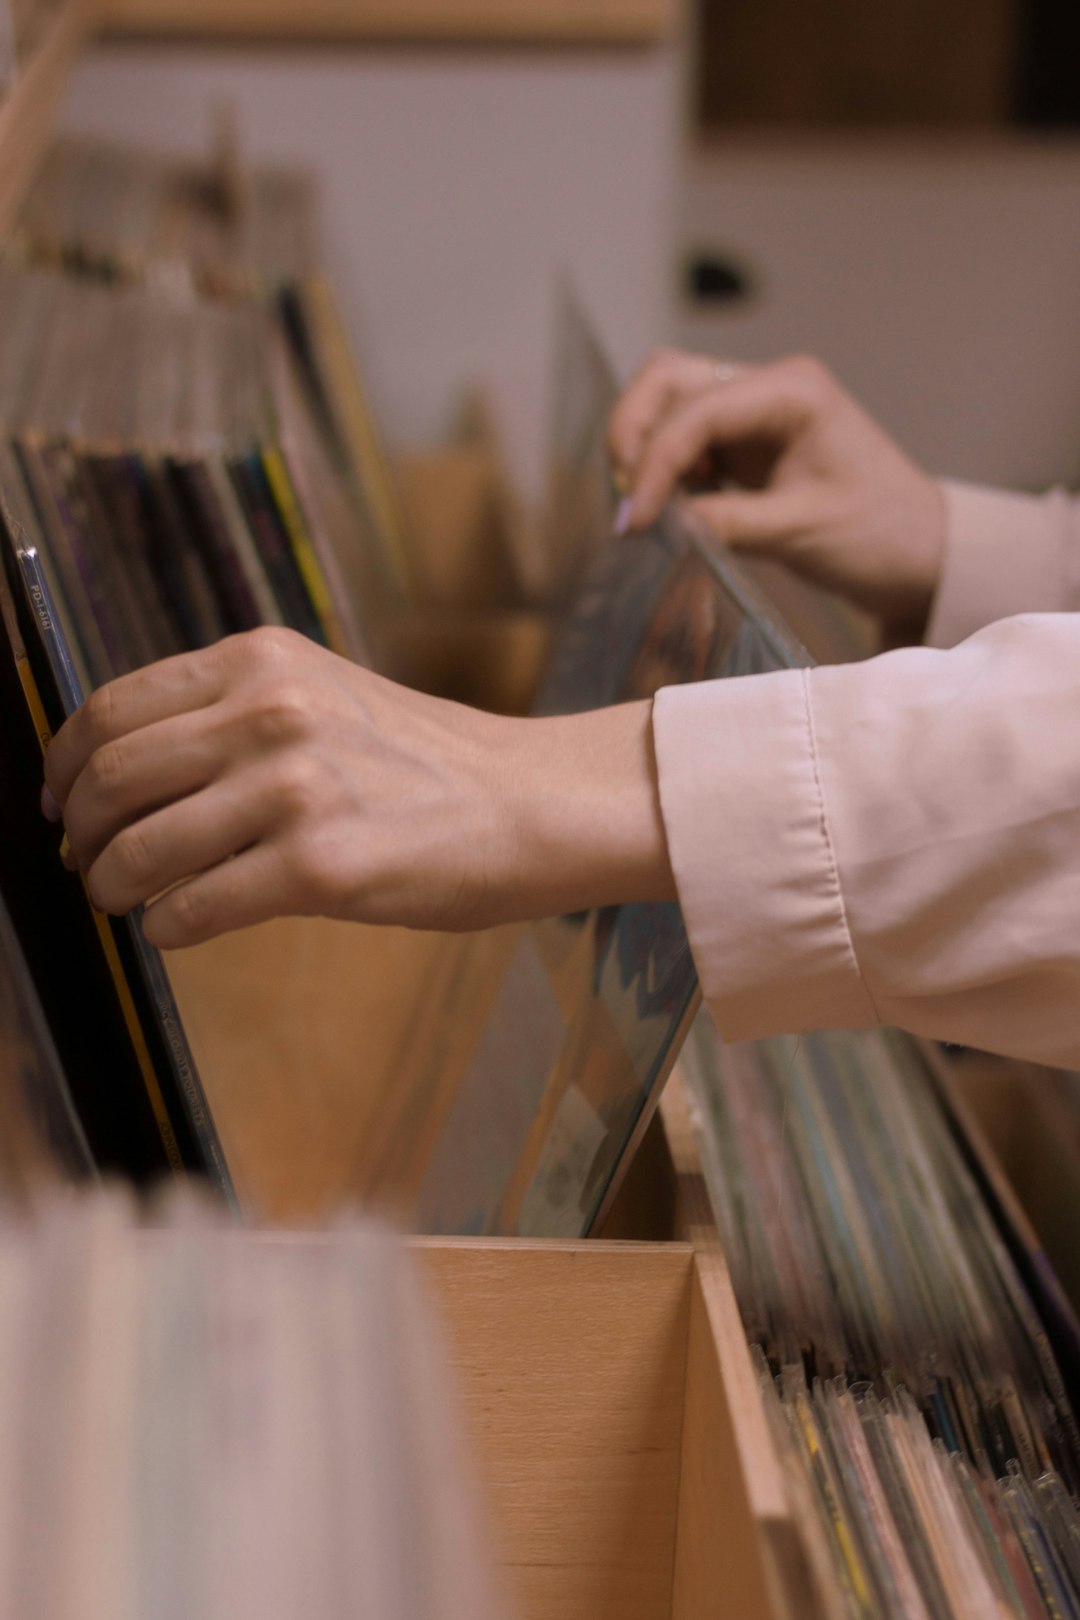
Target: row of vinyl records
(920, 1366)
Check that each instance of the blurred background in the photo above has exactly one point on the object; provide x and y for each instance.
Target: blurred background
(893, 188)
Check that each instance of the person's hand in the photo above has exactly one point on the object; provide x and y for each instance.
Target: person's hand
(798, 471)
(265, 776)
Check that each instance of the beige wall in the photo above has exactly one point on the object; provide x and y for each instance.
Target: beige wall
(456, 185)
(941, 280)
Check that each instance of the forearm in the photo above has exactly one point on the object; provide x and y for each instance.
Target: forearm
(265, 776)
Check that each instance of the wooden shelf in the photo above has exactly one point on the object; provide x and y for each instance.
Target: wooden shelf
(565, 22)
(27, 114)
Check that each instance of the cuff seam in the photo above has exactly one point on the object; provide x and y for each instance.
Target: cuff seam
(826, 835)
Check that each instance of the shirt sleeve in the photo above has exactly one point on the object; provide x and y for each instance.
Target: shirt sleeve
(1004, 554)
(896, 841)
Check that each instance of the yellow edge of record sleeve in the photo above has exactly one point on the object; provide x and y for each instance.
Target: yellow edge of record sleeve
(341, 372)
(108, 944)
(839, 1526)
(300, 540)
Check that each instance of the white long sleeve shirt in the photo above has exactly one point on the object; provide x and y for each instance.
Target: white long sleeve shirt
(898, 841)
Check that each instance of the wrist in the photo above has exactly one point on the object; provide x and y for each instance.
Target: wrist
(584, 813)
(926, 548)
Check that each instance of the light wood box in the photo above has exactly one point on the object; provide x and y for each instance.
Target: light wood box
(611, 1400)
(607, 1384)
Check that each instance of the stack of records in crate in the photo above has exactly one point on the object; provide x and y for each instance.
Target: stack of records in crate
(219, 229)
(919, 1364)
(162, 483)
(185, 453)
(173, 481)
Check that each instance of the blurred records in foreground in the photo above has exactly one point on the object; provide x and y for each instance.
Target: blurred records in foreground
(204, 1421)
(219, 229)
(916, 1386)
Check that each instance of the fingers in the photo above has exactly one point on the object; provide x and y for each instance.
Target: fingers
(148, 856)
(176, 686)
(769, 404)
(667, 378)
(136, 774)
(751, 522)
(235, 894)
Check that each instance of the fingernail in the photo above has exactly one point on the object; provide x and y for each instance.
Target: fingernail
(49, 807)
(623, 513)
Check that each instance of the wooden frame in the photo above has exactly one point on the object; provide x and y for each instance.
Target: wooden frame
(611, 1402)
(27, 112)
(554, 22)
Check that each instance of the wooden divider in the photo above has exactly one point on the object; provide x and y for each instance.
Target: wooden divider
(572, 1361)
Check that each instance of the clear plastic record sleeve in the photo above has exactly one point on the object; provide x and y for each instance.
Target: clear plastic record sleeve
(584, 1014)
(161, 1053)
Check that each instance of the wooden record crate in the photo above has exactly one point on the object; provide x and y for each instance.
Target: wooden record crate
(607, 1384)
(613, 1407)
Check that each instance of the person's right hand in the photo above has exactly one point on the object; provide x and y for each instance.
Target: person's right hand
(800, 472)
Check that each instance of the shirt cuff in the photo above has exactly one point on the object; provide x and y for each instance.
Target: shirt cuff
(749, 842)
(1004, 554)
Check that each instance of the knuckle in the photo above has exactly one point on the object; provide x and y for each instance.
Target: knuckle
(298, 787)
(188, 912)
(809, 375)
(133, 855)
(663, 357)
(99, 716)
(106, 769)
(282, 713)
(267, 646)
